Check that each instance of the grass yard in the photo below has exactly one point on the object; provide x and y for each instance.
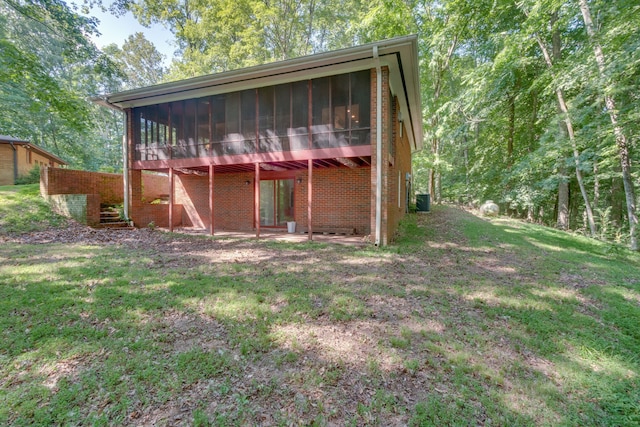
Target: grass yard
(464, 321)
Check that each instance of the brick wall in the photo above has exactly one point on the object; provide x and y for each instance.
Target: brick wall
(68, 181)
(107, 188)
(154, 186)
(398, 170)
(192, 192)
(341, 199)
(146, 214)
(396, 161)
(108, 185)
(234, 202)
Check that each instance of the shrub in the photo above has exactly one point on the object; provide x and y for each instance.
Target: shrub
(33, 177)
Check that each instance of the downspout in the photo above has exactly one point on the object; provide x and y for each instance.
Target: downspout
(125, 171)
(378, 147)
(15, 162)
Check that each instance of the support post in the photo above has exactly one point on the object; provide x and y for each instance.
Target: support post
(378, 232)
(256, 200)
(171, 190)
(310, 199)
(211, 199)
(125, 174)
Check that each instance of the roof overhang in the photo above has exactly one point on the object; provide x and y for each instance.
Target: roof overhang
(29, 146)
(399, 54)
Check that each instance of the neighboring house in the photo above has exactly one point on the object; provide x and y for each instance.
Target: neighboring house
(323, 140)
(18, 157)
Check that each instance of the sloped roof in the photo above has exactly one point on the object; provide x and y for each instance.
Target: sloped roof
(4, 139)
(399, 54)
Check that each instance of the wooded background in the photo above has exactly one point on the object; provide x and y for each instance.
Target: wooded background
(534, 104)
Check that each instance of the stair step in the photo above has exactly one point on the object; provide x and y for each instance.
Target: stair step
(118, 225)
(111, 221)
(108, 214)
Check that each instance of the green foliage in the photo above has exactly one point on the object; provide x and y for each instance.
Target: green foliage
(48, 70)
(22, 210)
(225, 35)
(491, 118)
(139, 62)
(33, 177)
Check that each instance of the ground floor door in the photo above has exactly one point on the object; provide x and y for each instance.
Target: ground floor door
(276, 202)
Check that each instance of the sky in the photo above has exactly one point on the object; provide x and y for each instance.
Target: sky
(116, 30)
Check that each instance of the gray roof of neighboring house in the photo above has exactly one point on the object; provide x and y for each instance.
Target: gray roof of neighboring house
(4, 139)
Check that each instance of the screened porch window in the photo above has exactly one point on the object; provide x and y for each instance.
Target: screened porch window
(268, 119)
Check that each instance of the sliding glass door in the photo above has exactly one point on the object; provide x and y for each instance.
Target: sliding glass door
(276, 202)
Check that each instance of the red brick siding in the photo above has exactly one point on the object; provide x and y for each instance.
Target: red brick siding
(108, 185)
(67, 181)
(341, 199)
(158, 214)
(391, 165)
(93, 209)
(154, 186)
(233, 200)
(401, 165)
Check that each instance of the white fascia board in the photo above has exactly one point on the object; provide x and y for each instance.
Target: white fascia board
(239, 85)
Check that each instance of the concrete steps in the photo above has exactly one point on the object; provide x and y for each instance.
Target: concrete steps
(110, 218)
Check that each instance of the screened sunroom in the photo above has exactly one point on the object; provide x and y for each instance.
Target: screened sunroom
(334, 110)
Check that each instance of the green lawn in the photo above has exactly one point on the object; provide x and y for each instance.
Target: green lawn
(464, 321)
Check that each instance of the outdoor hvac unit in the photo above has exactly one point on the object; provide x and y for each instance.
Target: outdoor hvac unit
(423, 202)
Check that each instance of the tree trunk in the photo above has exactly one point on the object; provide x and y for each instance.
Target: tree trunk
(596, 184)
(621, 139)
(616, 194)
(467, 196)
(534, 119)
(562, 105)
(512, 130)
(562, 221)
(438, 84)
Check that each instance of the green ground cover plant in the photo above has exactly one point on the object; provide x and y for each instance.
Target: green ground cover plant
(464, 321)
(23, 210)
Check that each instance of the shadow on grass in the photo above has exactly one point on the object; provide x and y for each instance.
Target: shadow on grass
(238, 332)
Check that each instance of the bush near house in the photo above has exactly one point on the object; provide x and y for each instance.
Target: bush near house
(33, 177)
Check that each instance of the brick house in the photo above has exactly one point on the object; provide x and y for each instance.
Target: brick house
(323, 140)
(18, 157)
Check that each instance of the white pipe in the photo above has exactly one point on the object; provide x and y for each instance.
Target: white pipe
(378, 146)
(125, 170)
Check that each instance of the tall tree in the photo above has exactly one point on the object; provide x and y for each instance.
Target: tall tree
(621, 138)
(139, 61)
(48, 69)
(566, 118)
(228, 34)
